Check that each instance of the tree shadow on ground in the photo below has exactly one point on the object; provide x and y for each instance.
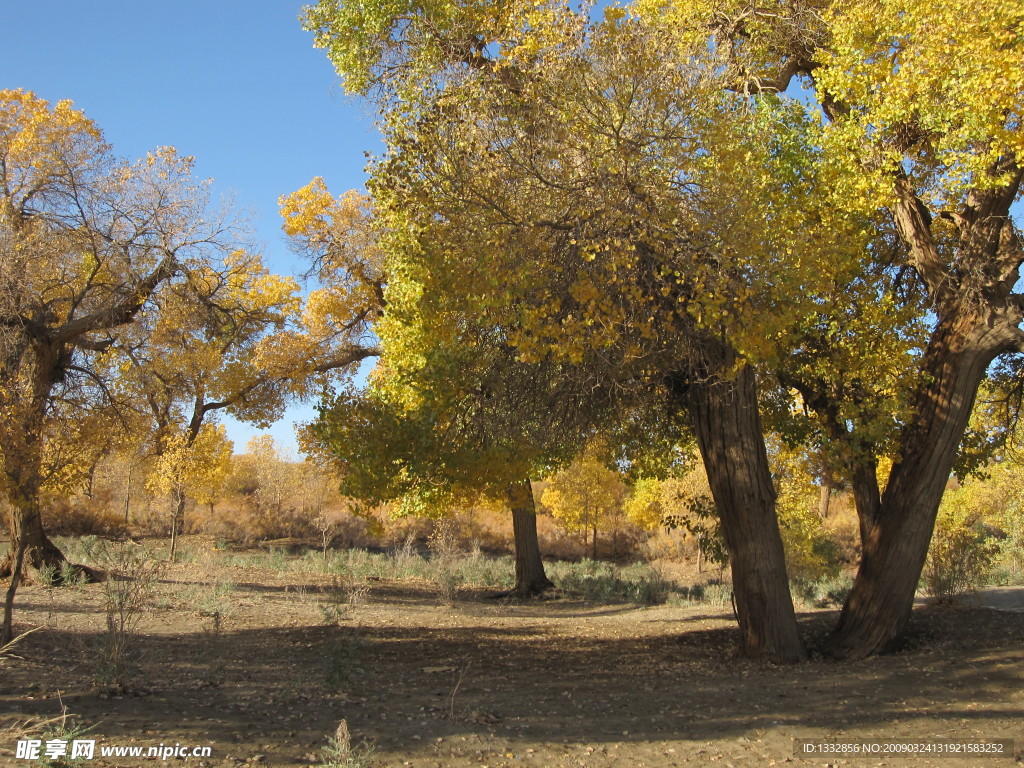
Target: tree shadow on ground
(281, 689)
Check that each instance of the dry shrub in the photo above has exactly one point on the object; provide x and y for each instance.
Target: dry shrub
(670, 546)
(556, 542)
(230, 522)
(246, 523)
(63, 727)
(445, 551)
(83, 516)
(154, 518)
(843, 528)
(487, 527)
(341, 529)
(484, 526)
(626, 543)
(243, 522)
(340, 752)
(396, 531)
(132, 577)
(283, 523)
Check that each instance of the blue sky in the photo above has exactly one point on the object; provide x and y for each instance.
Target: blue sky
(236, 84)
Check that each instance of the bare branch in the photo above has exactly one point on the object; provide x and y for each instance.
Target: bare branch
(122, 312)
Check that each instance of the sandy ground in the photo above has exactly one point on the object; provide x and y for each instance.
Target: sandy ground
(1000, 598)
(252, 664)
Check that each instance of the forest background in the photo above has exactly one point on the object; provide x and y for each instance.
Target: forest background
(283, 344)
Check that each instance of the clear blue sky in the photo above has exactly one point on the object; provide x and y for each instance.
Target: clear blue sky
(236, 84)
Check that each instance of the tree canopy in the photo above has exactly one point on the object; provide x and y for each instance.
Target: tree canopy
(86, 241)
(682, 192)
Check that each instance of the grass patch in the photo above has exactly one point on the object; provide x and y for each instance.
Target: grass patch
(597, 581)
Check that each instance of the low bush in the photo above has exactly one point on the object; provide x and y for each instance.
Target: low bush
(83, 516)
(961, 552)
(826, 592)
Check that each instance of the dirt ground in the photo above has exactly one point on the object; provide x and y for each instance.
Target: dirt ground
(257, 672)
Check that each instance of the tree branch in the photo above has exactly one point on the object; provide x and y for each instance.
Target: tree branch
(124, 310)
(913, 223)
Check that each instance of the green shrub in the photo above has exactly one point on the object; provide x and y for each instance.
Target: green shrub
(810, 555)
(825, 592)
(718, 593)
(961, 553)
(603, 582)
(1009, 558)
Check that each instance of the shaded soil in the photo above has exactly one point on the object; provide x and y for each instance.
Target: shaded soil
(259, 669)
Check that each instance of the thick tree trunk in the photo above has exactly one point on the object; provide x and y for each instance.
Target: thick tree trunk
(896, 529)
(867, 498)
(726, 422)
(530, 576)
(22, 435)
(28, 535)
(27, 531)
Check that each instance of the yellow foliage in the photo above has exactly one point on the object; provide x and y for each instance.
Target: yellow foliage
(644, 507)
(95, 249)
(656, 503)
(586, 495)
(39, 142)
(987, 506)
(810, 555)
(961, 553)
(926, 74)
(197, 467)
(338, 235)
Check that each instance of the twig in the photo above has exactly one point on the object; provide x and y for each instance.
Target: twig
(455, 689)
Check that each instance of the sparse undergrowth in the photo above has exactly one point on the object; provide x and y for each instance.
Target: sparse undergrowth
(340, 752)
(467, 685)
(131, 578)
(63, 728)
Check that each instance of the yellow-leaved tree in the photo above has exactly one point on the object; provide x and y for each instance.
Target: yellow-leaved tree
(587, 496)
(87, 244)
(684, 502)
(193, 466)
(583, 194)
(643, 191)
(241, 340)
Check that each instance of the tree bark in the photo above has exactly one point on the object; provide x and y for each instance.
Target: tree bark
(530, 576)
(30, 546)
(26, 520)
(7, 633)
(128, 492)
(896, 530)
(867, 498)
(727, 424)
(22, 433)
(177, 519)
(825, 496)
(27, 531)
